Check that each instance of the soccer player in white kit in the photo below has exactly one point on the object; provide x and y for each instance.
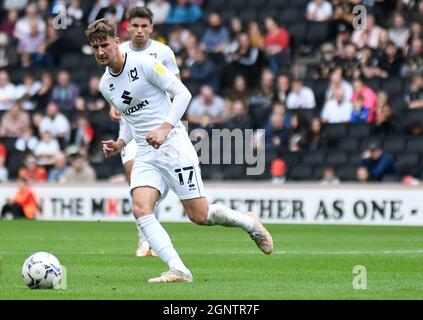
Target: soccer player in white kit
(140, 30)
(137, 85)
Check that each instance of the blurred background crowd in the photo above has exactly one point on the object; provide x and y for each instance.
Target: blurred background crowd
(337, 103)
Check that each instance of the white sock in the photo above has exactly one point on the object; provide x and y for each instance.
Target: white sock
(160, 241)
(223, 216)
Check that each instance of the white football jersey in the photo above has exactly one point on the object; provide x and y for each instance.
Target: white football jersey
(138, 92)
(158, 50)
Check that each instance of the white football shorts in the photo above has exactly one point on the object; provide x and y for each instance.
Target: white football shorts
(129, 152)
(173, 166)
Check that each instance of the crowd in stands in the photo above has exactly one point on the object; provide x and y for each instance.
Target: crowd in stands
(338, 101)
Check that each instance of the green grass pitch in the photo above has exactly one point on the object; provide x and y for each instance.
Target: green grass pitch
(309, 262)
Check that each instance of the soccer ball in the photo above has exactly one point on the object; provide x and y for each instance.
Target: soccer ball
(42, 270)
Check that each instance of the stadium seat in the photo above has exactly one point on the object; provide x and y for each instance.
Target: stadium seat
(318, 33)
(72, 61)
(349, 144)
(235, 4)
(407, 163)
(336, 158)
(346, 173)
(354, 158)
(336, 130)
(415, 145)
(234, 172)
(278, 5)
(292, 158)
(300, 172)
(359, 130)
(298, 31)
(394, 144)
(248, 15)
(369, 140)
(267, 13)
(256, 4)
(9, 143)
(302, 4)
(288, 16)
(393, 86)
(314, 158)
(398, 104)
(217, 5)
(15, 160)
(413, 116)
(227, 15)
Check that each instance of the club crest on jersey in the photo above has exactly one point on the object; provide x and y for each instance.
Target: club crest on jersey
(133, 109)
(133, 75)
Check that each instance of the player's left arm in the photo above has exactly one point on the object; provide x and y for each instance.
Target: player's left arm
(164, 79)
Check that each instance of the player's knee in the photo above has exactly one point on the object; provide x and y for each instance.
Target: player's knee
(199, 217)
(142, 210)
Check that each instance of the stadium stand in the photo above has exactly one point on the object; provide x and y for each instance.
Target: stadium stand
(396, 123)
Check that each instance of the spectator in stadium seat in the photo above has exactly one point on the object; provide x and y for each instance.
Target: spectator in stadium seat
(43, 9)
(201, 69)
(14, 121)
(74, 14)
(7, 91)
(42, 97)
(390, 62)
(256, 37)
(362, 174)
(238, 117)
(184, 12)
(301, 97)
(23, 25)
(207, 109)
(336, 82)
(92, 95)
(319, 10)
(337, 109)
(31, 171)
(378, 163)
(283, 86)
(82, 134)
(416, 32)
(27, 142)
(239, 89)
(246, 59)
(349, 62)
(27, 91)
(360, 113)
(278, 171)
(276, 134)
(368, 96)
(23, 205)
(80, 171)
(328, 61)
(369, 36)
(399, 33)
(8, 55)
(297, 133)
(368, 65)
(277, 45)
(8, 24)
(29, 44)
(65, 92)
(315, 138)
(160, 9)
(4, 172)
(329, 177)
(414, 96)
(111, 9)
(55, 122)
(215, 37)
(46, 149)
(414, 60)
(58, 171)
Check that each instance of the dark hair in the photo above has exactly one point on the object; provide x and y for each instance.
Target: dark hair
(101, 29)
(141, 12)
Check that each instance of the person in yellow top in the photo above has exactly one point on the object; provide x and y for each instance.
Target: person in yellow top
(23, 205)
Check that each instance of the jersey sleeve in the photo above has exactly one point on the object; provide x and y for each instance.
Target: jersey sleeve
(158, 74)
(170, 61)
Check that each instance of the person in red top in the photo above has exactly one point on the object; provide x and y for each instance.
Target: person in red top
(3, 150)
(276, 45)
(31, 171)
(368, 95)
(23, 205)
